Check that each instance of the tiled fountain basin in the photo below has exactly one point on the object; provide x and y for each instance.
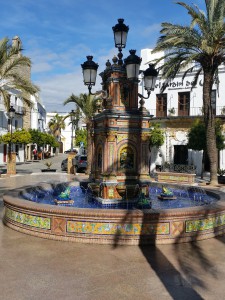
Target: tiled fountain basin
(115, 226)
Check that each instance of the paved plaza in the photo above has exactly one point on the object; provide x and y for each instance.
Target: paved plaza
(33, 268)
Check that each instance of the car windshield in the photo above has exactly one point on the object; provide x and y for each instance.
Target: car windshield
(83, 157)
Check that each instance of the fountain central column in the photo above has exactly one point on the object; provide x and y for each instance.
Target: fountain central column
(121, 133)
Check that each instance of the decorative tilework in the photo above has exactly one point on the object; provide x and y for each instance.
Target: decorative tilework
(205, 224)
(26, 219)
(177, 228)
(59, 225)
(111, 156)
(112, 228)
(122, 137)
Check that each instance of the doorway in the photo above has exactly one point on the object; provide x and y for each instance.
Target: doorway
(180, 154)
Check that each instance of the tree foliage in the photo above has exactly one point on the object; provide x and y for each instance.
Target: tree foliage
(56, 124)
(87, 104)
(81, 136)
(11, 77)
(197, 136)
(18, 137)
(42, 138)
(157, 137)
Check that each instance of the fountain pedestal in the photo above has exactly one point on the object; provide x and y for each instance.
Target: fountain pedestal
(108, 193)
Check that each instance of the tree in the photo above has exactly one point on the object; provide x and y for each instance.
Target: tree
(18, 137)
(42, 138)
(11, 64)
(81, 136)
(56, 124)
(197, 139)
(157, 137)
(202, 43)
(88, 107)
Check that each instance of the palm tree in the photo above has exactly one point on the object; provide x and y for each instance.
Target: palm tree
(56, 124)
(12, 65)
(74, 122)
(87, 105)
(202, 43)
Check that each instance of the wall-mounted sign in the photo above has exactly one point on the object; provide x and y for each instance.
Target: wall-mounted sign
(178, 85)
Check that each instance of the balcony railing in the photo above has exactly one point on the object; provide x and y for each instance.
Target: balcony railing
(178, 168)
(20, 110)
(193, 111)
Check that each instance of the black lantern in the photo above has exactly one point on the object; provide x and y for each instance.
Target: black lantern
(150, 76)
(89, 68)
(11, 113)
(72, 116)
(132, 63)
(120, 31)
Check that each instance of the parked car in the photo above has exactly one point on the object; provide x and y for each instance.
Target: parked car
(79, 163)
(69, 150)
(64, 164)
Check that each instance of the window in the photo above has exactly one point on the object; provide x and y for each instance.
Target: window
(161, 105)
(16, 124)
(183, 104)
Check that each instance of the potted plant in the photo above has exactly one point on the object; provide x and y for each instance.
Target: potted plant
(48, 165)
(223, 111)
(166, 166)
(221, 177)
(171, 111)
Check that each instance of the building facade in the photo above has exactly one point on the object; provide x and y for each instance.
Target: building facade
(176, 109)
(26, 117)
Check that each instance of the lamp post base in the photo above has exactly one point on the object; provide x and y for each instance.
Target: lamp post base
(11, 163)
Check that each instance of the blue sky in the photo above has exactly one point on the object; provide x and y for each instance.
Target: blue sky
(58, 35)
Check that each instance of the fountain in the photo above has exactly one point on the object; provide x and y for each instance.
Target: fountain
(119, 174)
(196, 214)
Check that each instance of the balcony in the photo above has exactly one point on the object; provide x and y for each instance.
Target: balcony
(20, 110)
(193, 111)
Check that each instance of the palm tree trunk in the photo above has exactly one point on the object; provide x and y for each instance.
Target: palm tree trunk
(203, 164)
(209, 119)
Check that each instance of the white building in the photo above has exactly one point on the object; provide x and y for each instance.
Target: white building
(17, 122)
(176, 109)
(25, 117)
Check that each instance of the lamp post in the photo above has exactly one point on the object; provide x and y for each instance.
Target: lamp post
(132, 63)
(72, 118)
(11, 116)
(11, 162)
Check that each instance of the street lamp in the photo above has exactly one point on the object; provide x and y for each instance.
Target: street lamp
(132, 64)
(89, 72)
(72, 118)
(11, 115)
(120, 31)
